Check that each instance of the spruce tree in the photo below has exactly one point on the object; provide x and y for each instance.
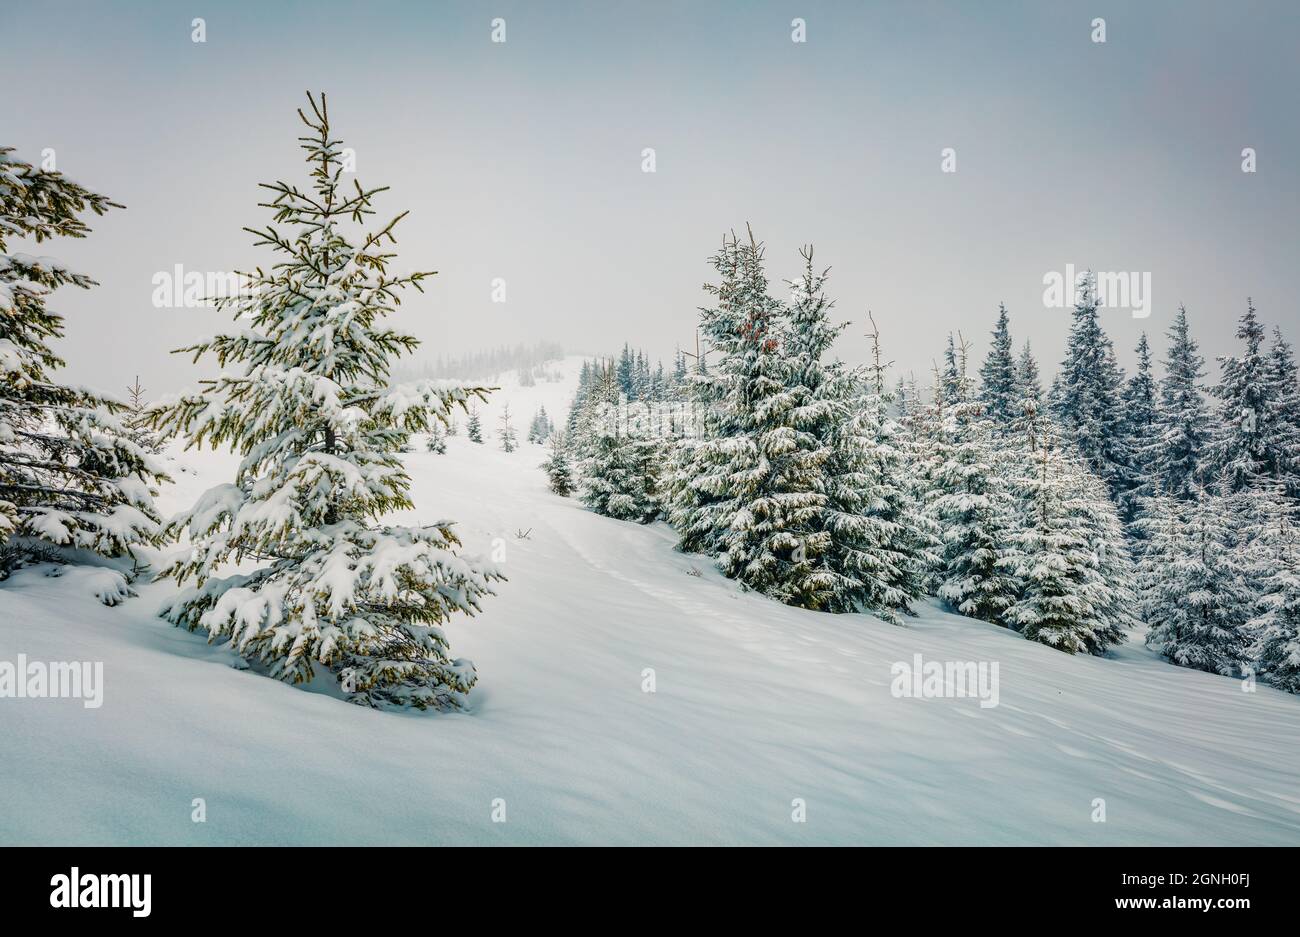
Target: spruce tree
(758, 471)
(1087, 402)
(1114, 585)
(474, 430)
(620, 475)
(871, 551)
(1027, 380)
(1141, 427)
(1282, 422)
(1193, 593)
(999, 391)
(558, 474)
(1237, 454)
(1273, 566)
(972, 506)
(1061, 595)
(506, 430)
(1181, 418)
(324, 584)
(437, 440)
(136, 419)
(73, 475)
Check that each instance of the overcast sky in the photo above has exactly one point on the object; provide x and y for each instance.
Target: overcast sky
(523, 160)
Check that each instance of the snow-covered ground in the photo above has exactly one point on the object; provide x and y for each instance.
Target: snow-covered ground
(756, 705)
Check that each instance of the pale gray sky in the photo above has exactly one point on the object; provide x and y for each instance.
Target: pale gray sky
(522, 160)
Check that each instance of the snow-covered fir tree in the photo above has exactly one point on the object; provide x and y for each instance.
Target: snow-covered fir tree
(1237, 455)
(1028, 383)
(1063, 600)
(506, 430)
(1141, 417)
(436, 442)
(1282, 426)
(324, 583)
(540, 427)
(559, 475)
(970, 502)
(1273, 568)
(1193, 592)
(73, 476)
(1181, 418)
(1087, 402)
(899, 541)
(950, 380)
(872, 551)
(474, 429)
(136, 419)
(999, 390)
(620, 474)
(750, 487)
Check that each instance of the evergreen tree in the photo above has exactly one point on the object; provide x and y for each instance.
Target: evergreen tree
(474, 430)
(974, 510)
(437, 441)
(579, 397)
(870, 544)
(1237, 453)
(1193, 594)
(72, 474)
(1000, 393)
(558, 474)
(917, 440)
(1064, 602)
(1141, 427)
(1116, 572)
(951, 381)
(136, 420)
(626, 367)
(1181, 418)
(1027, 381)
(319, 430)
(753, 482)
(1282, 423)
(1087, 403)
(1273, 565)
(883, 540)
(620, 472)
(506, 431)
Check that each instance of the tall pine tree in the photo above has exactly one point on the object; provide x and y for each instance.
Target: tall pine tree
(319, 429)
(1237, 454)
(1181, 419)
(1140, 407)
(753, 482)
(999, 390)
(1087, 403)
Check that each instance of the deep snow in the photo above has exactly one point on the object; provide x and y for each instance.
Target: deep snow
(756, 705)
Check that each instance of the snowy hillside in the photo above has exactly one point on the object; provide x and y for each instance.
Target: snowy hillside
(756, 705)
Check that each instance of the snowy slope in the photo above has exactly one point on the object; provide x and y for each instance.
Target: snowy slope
(756, 705)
